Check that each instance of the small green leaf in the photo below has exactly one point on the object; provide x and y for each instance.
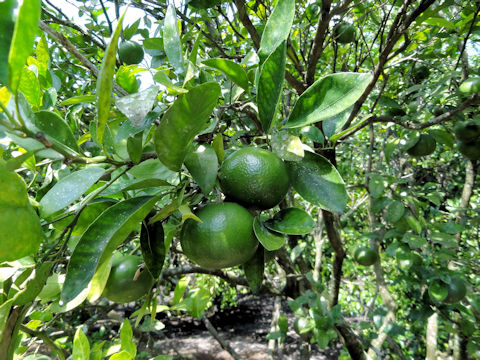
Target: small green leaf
(55, 128)
(292, 221)
(414, 223)
(217, 145)
(81, 346)
(7, 24)
(34, 286)
(254, 269)
(126, 339)
(133, 184)
(163, 79)
(202, 163)
(288, 147)
(269, 239)
(79, 100)
(376, 185)
(187, 116)
(69, 189)
(100, 240)
(327, 97)
(334, 124)
(152, 243)
(270, 85)
(277, 28)
(394, 211)
(171, 39)
(318, 182)
(122, 355)
(231, 69)
(22, 40)
(105, 82)
(135, 147)
(30, 87)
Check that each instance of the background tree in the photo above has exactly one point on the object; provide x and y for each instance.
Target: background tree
(118, 127)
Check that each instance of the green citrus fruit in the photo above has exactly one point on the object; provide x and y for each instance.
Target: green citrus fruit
(406, 258)
(456, 289)
(303, 328)
(254, 177)
(344, 33)
(467, 131)
(130, 52)
(470, 86)
(20, 232)
(365, 256)
(437, 290)
(471, 150)
(121, 286)
(420, 73)
(223, 239)
(425, 146)
(395, 112)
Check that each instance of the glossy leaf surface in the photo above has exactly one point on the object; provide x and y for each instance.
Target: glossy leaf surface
(318, 182)
(69, 189)
(269, 239)
(202, 163)
(100, 240)
(187, 116)
(270, 85)
(292, 221)
(231, 69)
(7, 25)
(327, 97)
(55, 128)
(152, 243)
(254, 269)
(171, 39)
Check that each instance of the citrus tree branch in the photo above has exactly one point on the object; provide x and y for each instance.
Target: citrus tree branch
(46, 340)
(62, 40)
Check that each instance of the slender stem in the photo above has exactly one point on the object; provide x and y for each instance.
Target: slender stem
(46, 340)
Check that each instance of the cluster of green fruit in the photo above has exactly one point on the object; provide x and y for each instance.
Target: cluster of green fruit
(250, 177)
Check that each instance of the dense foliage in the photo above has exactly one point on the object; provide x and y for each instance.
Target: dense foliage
(118, 119)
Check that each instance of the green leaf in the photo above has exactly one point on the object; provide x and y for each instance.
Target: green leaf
(133, 184)
(441, 22)
(7, 24)
(126, 339)
(327, 97)
(22, 41)
(99, 280)
(442, 137)
(334, 124)
(30, 87)
(232, 70)
(122, 355)
(277, 28)
(136, 106)
(200, 299)
(451, 228)
(152, 243)
(79, 100)
(135, 147)
(270, 85)
(288, 147)
(202, 163)
(81, 346)
(126, 78)
(55, 128)
(376, 185)
(443, 239)
(105, 82)
(69, 189)
(217, 145)
(34, 286)
(187, 116)
(269, 239)
(163, 79)
(254, 269)
(414, 224)
(171, 39)
(292, 221)
(100, 240)
(394, 211)
(318, 182)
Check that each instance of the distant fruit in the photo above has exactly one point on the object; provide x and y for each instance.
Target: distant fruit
(254, 177)
(303, 328)
(471, 150)
(470, 86)
(407, 258)
(130, 52)
(467, 131)
(365, 256)
(344, 33)
(223, 239)
(456, 290)
(121, 286)
(420, 73)
(395, 112)
(425, 146)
